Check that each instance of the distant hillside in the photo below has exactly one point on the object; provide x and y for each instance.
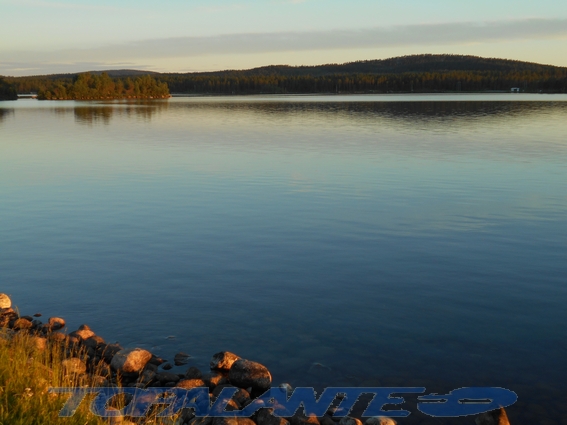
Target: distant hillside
(397, 65)
(417, 73)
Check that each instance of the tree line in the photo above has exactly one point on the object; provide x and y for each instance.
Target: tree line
(90, 86)
(7, 91)
(406, 74)
(425, 82)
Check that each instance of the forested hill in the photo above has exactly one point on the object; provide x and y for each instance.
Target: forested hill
(398, 65)
(417, 73)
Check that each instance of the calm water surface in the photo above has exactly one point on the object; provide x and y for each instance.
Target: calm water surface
(363, 240)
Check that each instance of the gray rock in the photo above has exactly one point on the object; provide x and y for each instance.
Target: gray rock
(107, 352)
(73, 365)
(223, 360)
(166, 366)
(193, 373)
(164, 377)
(494, 417)
(131, 360)
(5, 301)
(246, 373)
(181, 359)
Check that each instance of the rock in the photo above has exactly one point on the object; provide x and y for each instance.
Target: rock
(326, 420)
(223, 360)
(266, 417)
(131, 360)
(5, 301)
(218, 389)
(166, 366)
(207, 420)
(22, 324)
(242, 397)
(73, 365)
(191, 383)
(164, 377)
(156, 360)
(380, 420)
(193, 373)
(214, 378)
(494, 417)
(233, 421)
(93, 342)
(57, 337)
(37, 315)
(347, 420)
(245, 373)
(304, 420)
(83, 334)
(107, 352)
(39, 342)
(181, 359)
(55, 323)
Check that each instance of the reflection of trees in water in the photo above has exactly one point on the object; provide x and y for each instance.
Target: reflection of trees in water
(402, 112)
(102, 114)
(5, 113)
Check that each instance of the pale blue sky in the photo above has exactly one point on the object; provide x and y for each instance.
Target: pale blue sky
(44, 36)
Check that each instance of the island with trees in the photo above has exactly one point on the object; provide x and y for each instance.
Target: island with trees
(406, 74)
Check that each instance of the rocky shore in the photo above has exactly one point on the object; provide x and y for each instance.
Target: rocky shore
(87, 355)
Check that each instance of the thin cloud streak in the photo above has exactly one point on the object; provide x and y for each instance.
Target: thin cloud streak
(412, 35)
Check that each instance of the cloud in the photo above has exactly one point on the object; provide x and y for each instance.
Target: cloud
(254, 43)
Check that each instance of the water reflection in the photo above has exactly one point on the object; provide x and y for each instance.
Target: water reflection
(102, 114)
(5, 113)
(403, 112)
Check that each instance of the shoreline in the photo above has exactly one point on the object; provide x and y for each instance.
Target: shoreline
(115, 370)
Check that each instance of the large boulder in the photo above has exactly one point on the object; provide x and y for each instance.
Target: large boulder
(223, 360)
(5, 301)
(246, 373)
(130, 360)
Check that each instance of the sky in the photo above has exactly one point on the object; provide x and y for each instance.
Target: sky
(43, 36)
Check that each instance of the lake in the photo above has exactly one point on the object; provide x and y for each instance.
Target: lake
(416, 240)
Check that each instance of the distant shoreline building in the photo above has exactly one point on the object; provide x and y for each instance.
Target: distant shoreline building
(515, 90)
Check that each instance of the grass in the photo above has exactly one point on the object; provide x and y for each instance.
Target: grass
(27, 372)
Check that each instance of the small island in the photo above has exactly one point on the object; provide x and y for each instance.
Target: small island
(89, 86)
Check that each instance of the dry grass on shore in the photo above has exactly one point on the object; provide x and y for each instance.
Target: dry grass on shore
(27, 370)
